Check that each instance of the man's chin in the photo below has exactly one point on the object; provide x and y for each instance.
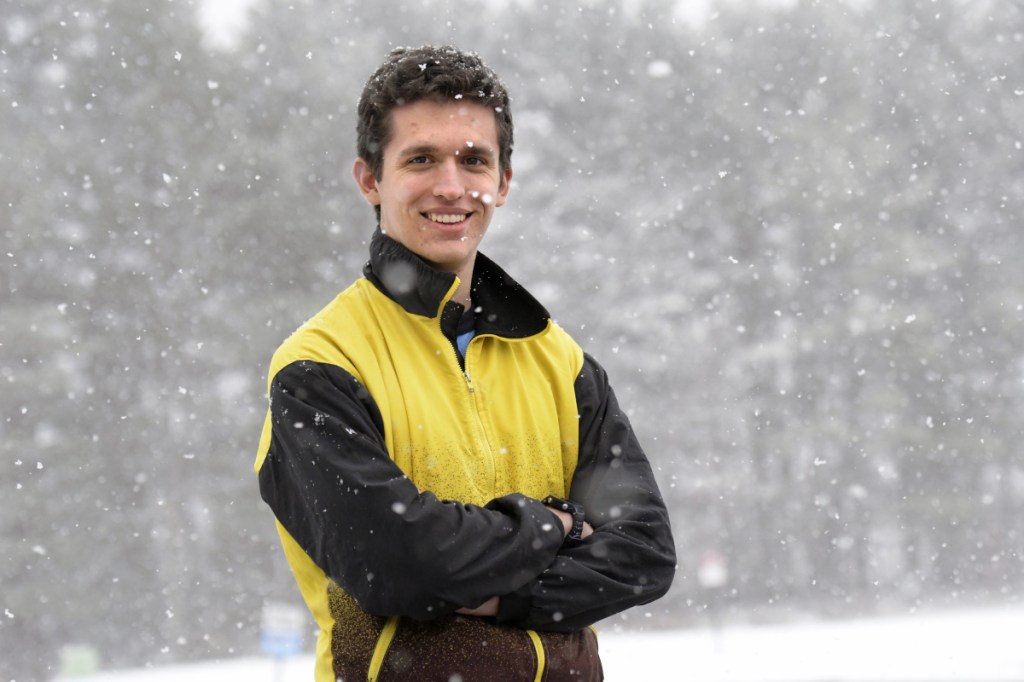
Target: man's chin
(451, 259)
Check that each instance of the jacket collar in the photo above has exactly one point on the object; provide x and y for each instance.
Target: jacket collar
(503, 306)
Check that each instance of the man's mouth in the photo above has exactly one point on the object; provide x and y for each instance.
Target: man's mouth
(447, 218)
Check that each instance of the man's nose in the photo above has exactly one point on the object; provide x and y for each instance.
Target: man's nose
(447, 181)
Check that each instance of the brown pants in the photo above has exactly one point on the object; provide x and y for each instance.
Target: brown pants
(466, 649)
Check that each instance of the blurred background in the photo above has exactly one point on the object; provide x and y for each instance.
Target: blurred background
(790, 231)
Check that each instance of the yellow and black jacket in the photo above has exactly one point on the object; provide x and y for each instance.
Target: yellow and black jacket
(406, 481)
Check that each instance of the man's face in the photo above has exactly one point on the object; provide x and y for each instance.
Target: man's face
(439, 182)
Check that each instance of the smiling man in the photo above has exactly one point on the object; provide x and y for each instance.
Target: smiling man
(457, 491)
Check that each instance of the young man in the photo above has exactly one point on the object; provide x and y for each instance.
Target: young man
(457, 491)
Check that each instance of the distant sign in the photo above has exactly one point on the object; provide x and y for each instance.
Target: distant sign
(281, 631)
(712, 572)
(78, 660)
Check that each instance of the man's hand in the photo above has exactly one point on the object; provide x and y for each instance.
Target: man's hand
(488, 608)
(566, 519)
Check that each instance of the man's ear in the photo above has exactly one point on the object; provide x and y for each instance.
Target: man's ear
(366, 181)
(506, 180)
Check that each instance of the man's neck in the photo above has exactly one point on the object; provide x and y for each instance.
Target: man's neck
(462, 292)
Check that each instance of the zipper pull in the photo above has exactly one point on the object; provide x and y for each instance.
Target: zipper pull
(469, 382)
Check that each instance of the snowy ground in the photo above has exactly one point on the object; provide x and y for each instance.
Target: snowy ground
(959, 646)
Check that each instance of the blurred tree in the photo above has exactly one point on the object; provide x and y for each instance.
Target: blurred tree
(788, 234)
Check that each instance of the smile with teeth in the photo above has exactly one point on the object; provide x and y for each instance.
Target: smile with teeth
(447, 218)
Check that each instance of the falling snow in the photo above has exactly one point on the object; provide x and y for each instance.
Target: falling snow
(788, 229)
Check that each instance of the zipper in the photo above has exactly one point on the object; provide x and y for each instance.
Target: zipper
(471, 390)
(460, 361)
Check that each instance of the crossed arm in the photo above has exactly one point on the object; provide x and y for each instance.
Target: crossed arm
(335, 486)
(490, 607)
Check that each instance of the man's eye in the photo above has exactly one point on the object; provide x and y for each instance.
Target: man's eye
(419, 159)
(475, 161)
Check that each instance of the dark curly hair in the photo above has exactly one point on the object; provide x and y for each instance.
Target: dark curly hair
(439, 74)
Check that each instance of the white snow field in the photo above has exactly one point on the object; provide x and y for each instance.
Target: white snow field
(978, 645)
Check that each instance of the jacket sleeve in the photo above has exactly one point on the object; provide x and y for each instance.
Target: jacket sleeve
(332, 485)
(630, 557)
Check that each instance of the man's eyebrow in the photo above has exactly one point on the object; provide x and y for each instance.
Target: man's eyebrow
(480, 149)
(470, 145)
(418, 149)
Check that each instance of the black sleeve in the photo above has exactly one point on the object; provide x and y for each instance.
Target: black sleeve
(397, 551)
(630, 558)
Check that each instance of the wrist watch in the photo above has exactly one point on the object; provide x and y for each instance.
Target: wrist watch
(575, 510)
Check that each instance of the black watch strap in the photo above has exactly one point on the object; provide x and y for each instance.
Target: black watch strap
(575, 510)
